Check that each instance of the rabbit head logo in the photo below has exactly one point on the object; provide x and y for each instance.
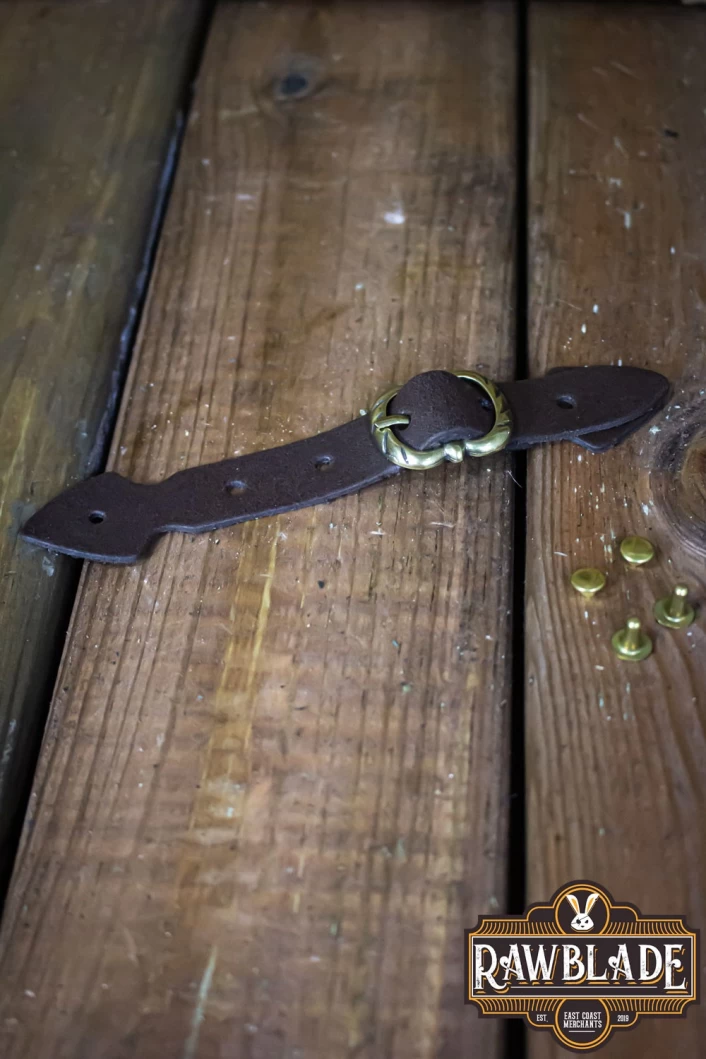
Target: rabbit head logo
(582, 921)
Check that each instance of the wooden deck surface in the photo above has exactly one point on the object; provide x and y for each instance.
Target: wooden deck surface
(280, 771)
(89, 99)
(616, 751)
(271, 779)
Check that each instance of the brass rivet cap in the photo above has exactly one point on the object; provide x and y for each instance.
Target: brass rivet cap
(631, 643)
(637, 550)
(588, 580)
(675, 612)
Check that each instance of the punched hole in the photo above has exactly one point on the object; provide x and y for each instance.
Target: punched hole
(236, 488)
(323, 463)
(96, 517)
(566, 401)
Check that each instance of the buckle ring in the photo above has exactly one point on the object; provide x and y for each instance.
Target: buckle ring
(411, 459)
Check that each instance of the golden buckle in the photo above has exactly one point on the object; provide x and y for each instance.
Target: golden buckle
(397, 452)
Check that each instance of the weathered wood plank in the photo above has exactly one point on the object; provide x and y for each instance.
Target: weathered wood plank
(274, 787)
(88, 103)
(616, 756)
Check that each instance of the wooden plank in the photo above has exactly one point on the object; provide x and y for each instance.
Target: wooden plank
(274, 788)
(616, 756)
(88, 101)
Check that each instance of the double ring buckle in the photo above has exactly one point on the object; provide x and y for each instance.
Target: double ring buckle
(413, 459)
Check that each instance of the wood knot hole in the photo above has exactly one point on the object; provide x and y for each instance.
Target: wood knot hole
(298, 78)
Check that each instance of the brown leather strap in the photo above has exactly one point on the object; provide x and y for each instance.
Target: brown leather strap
(567, 404)
(112, 519)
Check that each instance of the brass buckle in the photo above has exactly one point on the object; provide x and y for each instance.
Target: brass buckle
(411, 459)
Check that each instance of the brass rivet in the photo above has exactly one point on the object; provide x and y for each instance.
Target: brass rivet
(588, 581)
(631, 643)
(674, 611)
(637, 550)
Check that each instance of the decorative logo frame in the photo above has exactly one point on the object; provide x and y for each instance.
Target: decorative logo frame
(581, 966)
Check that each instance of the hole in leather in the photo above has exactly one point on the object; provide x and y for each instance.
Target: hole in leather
(566, 401)
(323, 463)
(96, 517)
(236, 488)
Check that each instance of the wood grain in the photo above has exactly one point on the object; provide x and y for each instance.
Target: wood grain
(274, 787)
(88, 105)
(616, 754)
